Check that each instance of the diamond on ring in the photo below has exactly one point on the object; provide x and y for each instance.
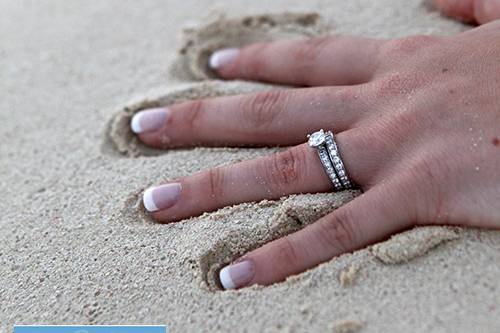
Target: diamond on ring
(329, 156)
(317, 139)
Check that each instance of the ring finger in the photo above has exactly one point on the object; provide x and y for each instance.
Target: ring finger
(296, 170)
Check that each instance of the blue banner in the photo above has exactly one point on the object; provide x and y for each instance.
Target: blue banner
(89, 329)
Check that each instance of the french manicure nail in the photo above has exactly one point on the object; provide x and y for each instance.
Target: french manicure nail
(237, 275)
(148, 120)
(222, 57)
(161, 197)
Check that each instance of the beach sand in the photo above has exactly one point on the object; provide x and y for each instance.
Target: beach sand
(75, 247)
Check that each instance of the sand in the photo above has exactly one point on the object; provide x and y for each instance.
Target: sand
(74, 245)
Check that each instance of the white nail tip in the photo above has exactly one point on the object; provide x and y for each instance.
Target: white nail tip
(135, 124)
(225, 279)
(213, 62)
(222, 57)
(148, 201)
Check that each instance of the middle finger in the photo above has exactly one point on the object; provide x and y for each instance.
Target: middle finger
(275, 117)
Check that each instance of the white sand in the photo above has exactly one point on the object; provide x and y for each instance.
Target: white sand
(74, 247)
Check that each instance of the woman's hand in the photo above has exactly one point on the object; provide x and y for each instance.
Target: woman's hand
(417, 121)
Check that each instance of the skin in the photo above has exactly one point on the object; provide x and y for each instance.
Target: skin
(417, 120)
(477, 11)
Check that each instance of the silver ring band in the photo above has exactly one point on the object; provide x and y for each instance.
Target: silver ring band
(329, 156)
(334, 153)
(329, 168)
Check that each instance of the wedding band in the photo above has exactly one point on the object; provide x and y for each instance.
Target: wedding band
(329, 156)
(317, 140)
(334, 153)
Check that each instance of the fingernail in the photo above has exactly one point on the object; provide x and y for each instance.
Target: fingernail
(148, 120)
(222, 57)
(237, 275)
(161, 197)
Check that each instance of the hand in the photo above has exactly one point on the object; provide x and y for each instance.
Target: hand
(417, 121)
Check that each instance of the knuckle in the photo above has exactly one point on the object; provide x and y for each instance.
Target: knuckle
(192, 114)
(396, 84)
(284, 169)
(406, 46)
(310, 48)
(340, 231)
(216, 182)
(287, 254)
(389, 85)
(262, 109)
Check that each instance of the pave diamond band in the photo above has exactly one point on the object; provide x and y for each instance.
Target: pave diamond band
(329, 156)
(333, 151)
(329, 169)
